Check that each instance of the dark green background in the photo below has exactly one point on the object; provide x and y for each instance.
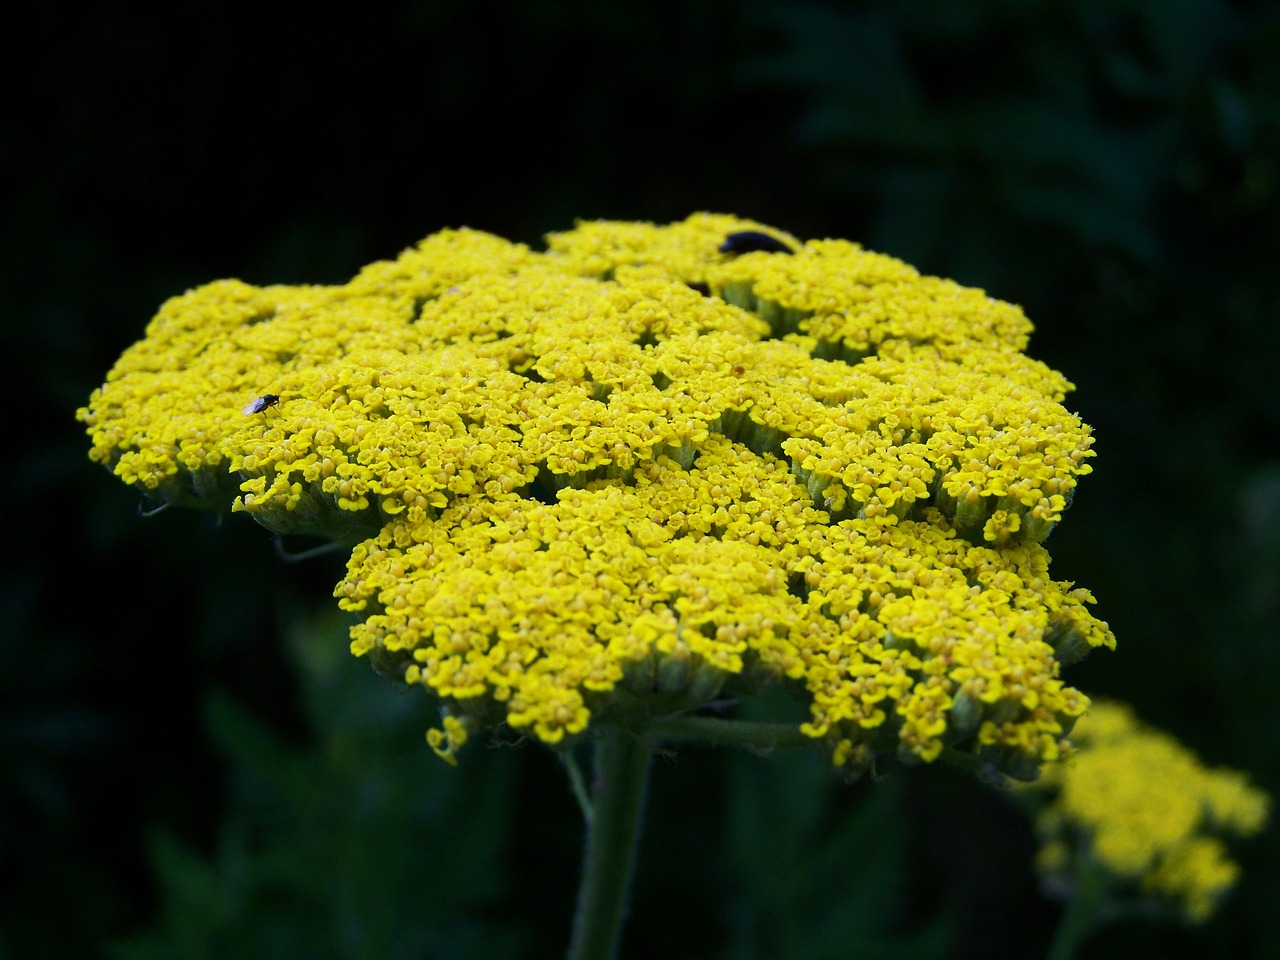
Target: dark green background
(190, 763)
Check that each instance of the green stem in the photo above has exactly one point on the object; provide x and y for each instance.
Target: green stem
(1082, 913)
(715, 730)
(578, 785)
(617, 804)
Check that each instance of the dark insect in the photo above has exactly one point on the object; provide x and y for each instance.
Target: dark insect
(262, 402)
(750, 241)
(702, 287)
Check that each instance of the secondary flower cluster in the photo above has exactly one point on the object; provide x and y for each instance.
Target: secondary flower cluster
(648, 467)
(1143, 806)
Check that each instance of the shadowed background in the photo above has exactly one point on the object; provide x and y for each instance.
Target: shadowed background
(191, 765)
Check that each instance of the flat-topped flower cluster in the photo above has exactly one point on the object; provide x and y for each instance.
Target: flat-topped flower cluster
(1143, 806)
(638, 472)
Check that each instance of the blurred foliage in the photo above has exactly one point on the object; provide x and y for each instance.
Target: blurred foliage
(1111, 165)
(357, 843)
(352, 844)
(798, 894)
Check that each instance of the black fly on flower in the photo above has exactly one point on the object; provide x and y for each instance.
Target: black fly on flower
(262, 403)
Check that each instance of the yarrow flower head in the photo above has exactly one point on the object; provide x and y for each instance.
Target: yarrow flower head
(644, 469)
(1140, 806)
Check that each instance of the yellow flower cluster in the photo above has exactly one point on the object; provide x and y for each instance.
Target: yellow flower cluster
(643, 469)
(1143, 806)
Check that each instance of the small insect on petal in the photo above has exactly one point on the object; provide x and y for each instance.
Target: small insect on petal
(261, 403)
(749, 241)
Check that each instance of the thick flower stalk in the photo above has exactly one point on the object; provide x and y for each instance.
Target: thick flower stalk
(645, 469)
(1137, 813)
